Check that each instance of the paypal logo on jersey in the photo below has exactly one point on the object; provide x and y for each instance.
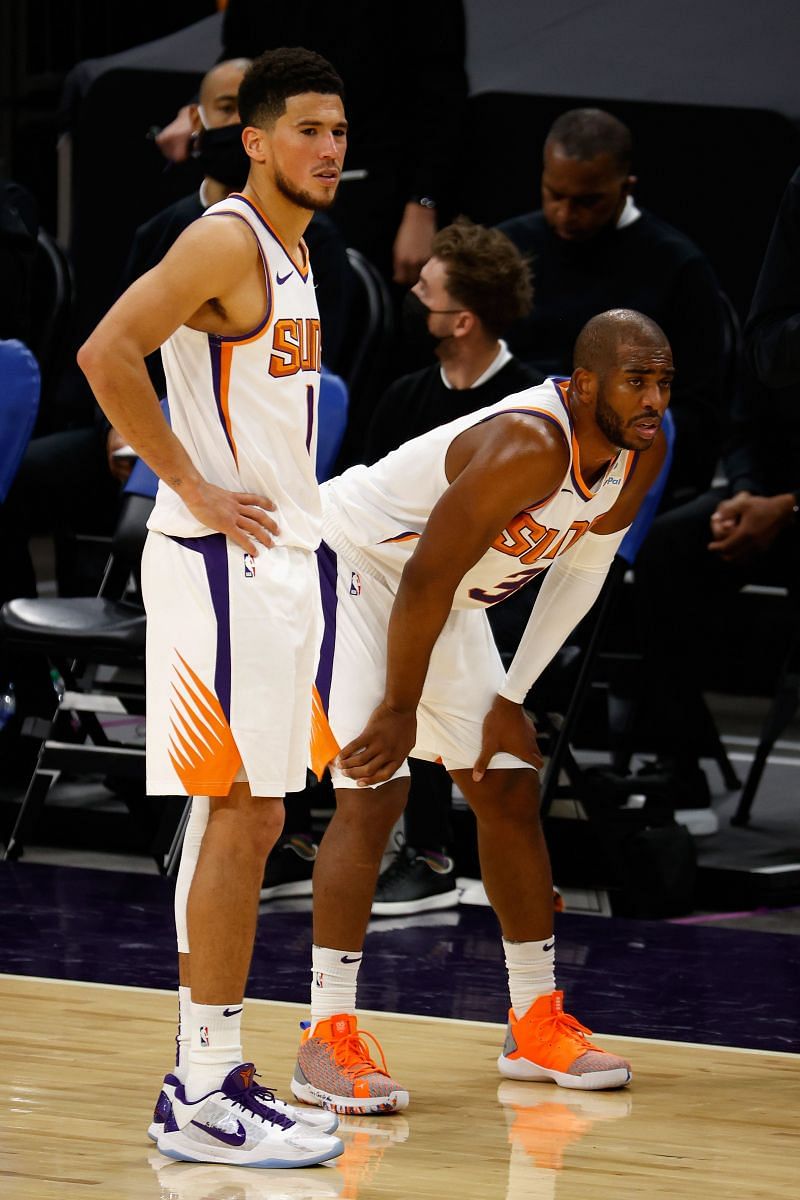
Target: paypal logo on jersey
(612, 479)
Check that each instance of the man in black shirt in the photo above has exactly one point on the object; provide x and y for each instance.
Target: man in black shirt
(592, 249)
(697, 556)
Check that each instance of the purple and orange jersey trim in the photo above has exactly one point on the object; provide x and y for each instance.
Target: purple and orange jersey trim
(301, 268)
(407, 536)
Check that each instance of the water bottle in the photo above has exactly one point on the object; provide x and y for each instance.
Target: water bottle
(58, 684)
(8, 703)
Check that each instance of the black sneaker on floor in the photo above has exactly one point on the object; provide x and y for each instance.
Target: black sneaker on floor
(415, 881)
(289, 868)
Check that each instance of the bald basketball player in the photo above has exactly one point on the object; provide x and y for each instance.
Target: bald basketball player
(416, 547)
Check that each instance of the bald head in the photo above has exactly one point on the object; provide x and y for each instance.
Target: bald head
(602, 340)
(219, 91)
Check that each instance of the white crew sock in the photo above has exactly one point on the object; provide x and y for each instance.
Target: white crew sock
(531, 972)
(334, 977)
(216, 1046)
(183, 1038)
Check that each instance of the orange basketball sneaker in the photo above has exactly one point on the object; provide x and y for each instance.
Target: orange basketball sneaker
(547, 1043)
(336, 1071)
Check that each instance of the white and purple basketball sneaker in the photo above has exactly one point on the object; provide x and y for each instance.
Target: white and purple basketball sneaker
(315, 1120)
(239, 1125)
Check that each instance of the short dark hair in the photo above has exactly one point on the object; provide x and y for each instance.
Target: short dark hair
(276, 75)
(485, 272)
(598, 342)
(583, 133)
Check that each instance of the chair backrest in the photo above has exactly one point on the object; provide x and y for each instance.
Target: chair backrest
(53, 307)
(732, 348)
(371, 322)
(633, 539)
(20, 386)
(332, 421)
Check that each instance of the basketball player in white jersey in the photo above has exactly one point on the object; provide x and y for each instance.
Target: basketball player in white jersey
(232, 633)
(416, 547)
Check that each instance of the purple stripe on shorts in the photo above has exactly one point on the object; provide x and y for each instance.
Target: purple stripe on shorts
(214, 549)
(326, 562)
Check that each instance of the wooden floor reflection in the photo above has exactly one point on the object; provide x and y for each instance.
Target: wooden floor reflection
(81, 1064)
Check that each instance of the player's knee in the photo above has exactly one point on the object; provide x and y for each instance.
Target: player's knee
(515, 802)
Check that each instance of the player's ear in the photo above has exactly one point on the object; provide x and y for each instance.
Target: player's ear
(254, 142)
(584, 385)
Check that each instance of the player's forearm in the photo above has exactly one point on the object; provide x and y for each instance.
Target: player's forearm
(418, 616)
(123, 390)
(568, 591)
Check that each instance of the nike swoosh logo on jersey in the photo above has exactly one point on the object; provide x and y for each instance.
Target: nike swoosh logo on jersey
(230, 1012)
(568, 491)
(230, 1139)
(285, 277)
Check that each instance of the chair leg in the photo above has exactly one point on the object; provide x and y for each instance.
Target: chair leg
(780, 714)
(40, 784)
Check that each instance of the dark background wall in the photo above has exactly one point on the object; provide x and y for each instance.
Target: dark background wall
(716, 170)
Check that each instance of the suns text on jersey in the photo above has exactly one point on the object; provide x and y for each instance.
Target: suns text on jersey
(296, 346)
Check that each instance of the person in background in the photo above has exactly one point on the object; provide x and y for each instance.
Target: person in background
(592, 248)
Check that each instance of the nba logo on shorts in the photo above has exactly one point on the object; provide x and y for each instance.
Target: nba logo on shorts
(355, 583)
(249, 567)
(204, 1035)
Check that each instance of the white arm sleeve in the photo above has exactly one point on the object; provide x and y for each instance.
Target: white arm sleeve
(568, 591)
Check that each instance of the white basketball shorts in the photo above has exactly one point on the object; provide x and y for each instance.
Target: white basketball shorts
(463, 678)
(232, 650)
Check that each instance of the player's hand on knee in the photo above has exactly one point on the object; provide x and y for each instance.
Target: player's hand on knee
(242, 516)
(381, 748)
(507, 729)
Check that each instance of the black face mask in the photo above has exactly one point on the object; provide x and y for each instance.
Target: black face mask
(222, 156)
(414, 318)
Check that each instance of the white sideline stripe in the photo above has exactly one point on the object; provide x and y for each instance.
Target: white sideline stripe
(374, 1012)
(781, 744)
(775, 760)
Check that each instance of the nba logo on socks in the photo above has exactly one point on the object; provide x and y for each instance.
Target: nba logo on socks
(204, 1041)
(355, 583)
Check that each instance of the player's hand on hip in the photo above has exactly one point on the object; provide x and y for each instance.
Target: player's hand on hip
(242, 516)
(381, 748)
(507, 729)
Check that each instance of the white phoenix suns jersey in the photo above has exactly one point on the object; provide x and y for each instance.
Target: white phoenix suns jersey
(245, 408)
(374, 515)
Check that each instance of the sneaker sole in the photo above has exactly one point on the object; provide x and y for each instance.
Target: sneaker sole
(301, 887)
(153, 1130)
(591, 1081)
(193, 1154)
(352, 1106)
(398, 908)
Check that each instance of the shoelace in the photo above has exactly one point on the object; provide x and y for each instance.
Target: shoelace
(351, 1053)
(567, 1026)
(251, 1100)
